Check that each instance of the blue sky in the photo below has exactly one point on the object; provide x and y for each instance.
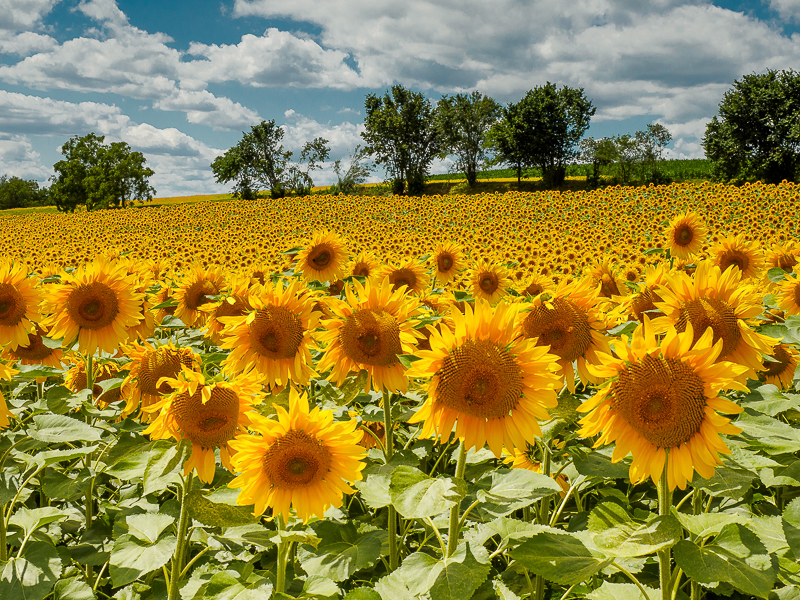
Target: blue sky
(180, 80)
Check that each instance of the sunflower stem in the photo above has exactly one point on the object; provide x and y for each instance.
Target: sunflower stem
(283, 555)
(3, 547)
(452, 530)
(183, 527)
(543, 516)
(697, 508)
(664, 556)
(388, 453)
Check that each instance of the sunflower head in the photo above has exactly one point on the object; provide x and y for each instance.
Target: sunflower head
(735, 251)
(449, 260)
(788, 293)
(605, 276)
(536, 284)
(365, 264)
(36, 352)
(408, 274)
(686, 235)
(195, 291)
(779, 370)
(489, 281)
(323, 258)
(19, 304)
(75, 379)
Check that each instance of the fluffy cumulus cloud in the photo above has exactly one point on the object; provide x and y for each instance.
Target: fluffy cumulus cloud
(787, 9)
(18, 158)
(203, 108)
(23, 15)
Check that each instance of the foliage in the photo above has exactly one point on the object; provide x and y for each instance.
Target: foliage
(756, 134)
(16, 192)
(509, 140)
(259, 162)
(463, 122)
(99, 176)
(400, 132)
(356, 173)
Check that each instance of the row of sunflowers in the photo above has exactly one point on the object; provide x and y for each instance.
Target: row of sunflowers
(489, 423)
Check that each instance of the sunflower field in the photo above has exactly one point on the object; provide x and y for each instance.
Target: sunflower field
(545, 395)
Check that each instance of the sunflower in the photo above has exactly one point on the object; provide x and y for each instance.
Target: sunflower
(6, 372)
(788, 293)
(35, 352)
(365, 264)
(208, 413)
(686, 235)
(75, 380)
(568, 321)
(275, 338)
(489, 281)
(735, 251)
(323, 259)
(409, 273)
(368, 332)
(780, 370)
(193, 292)
(19, 304)
(664, 396)
(449, 259)
(96, 304)
(302, 459)
(637, 304)
(784, 256)
(604, 275)
(722, 302)
(537, 284)
(234, 303)
(143, 385)
(485, 379)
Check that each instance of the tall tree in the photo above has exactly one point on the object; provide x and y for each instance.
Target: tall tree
(99, 176)
(463, 122)
(509, 138)
(400, 132)
(16, 192)
(756, 134)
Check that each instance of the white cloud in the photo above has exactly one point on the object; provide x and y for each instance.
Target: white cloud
(203, 108)
(104, 10)
(25, 43)
(32, 115)
(23, 15)
(18, 158)
(787, 9)
(342, 138)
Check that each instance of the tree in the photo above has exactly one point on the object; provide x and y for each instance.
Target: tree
(400, 132)
(355, 174)
(99, 176)
(509, 139)
(16, 192)
(756, 134)
(259, 161)
(463, 122)
(652, 142)
(599, 153)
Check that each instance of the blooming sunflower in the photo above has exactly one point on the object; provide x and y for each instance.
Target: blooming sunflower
(664, 396)
(784, 256)
(368, 332)
(234, 303)
(96, 304)
(722, 302)
(485, 379)
(605, 276)
(276, 337)
(323, 259)
(489, 281)
(193, 292)
(637, 304)
(409, 273)
(568, 321)
(36, 352)
(735, 251)
(449, 259)
(6, 372)
(780, 370)
(208, 413)
(788, 293)
(365, 264)
(75, 379)
(537, 284)
(686, 235)
(19, 304)
(302, 460)
(143, 385)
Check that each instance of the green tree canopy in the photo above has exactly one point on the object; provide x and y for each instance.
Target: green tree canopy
(463, 122)
(16, 192)
(509, 139)
(259, 162)
(99, 176)
(400, 132)
(756, 134)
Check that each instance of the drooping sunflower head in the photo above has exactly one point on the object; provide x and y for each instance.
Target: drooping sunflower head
(76, 380)
(735, 251)
(449, 260)
(605, 276)
(662, 396)
(686, 235)
(302, 460)
(779, 370)
(486, 380)
(408, 274)
(235, 302)
(643, 301)
(323, 258)
(788, 293)
(19, 304)
(784, 256)
(208, 413)
(195, 290)
(489, 281)
(36, 352)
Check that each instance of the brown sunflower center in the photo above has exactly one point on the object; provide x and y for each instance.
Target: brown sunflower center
(608, 287)
(276, 332)
(371, 336)
(401, 277)
(320, 256)
(787, 262)
(489, 283)
(703, 313)
(156, 364)
(235, 309)
(93, 305)
(36, 350)
(444, 262)
(198, 293)
(211, 424)
(644, 302)
(734, 258)
(565, 328)
(782, 360)
(534, 289)
(684, 235)
(662, 399)
(296, 460)
(12, 305)
(361, 270)
(796, 291)
(481, 379)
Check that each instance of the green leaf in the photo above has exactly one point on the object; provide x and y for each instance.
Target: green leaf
(49, 457)
(705, 525)
(791, 526)
(767, 399)
(511, 532)
(28, 372)
(558, 557)
(596, 464)
(32, 577)
(9, 485)
(73, 589)
(172, 322)
(776, 274)
(164, 465)
(58, 428)
(374, 489)
(230, 585)
(217, 514)
(415, 495)
(317, 588)
(407, 360)
(607, 515)
(503, 491)
(621, 591)
(502, 592)
(30, 519)
(148, 527)
(132, 558)
(761, 426)
(728, 482)
(789, 475)
(632, 539)
(736, 556)
(57, 485)
(341, 551)
(362, 593)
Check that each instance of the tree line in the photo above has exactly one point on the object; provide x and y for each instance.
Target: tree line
(754, 136)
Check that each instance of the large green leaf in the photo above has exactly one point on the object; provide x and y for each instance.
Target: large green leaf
(632, 539)
(216, 514)
(31, 577)
(597, 464)
(791, 526)
(73, 589)
(558, 557)
(148, 527)
(30, 519)
(164, 465)
(50, 457)
(58, 485)
(707, 524)
(131, 558)
(789, 475)
(736, 556)
(362, 593)
(503, 491)
(767, 399)
(730, 482)
(416, 495)
(621, 591)
(342, 550)
(511, 532)
(59, 428)
(230, 585)
(9, 485)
